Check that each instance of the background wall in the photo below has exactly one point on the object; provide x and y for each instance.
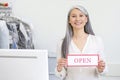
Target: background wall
(49, 20)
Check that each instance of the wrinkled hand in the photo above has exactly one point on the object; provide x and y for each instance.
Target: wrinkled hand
(101, 66)
(61, 63)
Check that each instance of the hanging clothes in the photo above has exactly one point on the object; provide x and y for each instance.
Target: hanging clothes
(13, 35)
(18, 34)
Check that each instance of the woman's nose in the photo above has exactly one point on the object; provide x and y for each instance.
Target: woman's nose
(77, 18)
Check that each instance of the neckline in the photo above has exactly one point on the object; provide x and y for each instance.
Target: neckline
(82, 51)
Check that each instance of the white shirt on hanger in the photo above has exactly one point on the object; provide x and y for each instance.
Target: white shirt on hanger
(4, 35)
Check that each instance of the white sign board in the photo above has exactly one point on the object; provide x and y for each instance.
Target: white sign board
(82, 60)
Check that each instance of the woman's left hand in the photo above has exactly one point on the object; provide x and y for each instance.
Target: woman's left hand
(101, 66)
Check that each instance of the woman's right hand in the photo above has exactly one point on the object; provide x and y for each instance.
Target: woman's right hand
(62, 62)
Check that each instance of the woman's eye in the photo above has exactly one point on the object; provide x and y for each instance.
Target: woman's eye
(73, 16)
(81, 15)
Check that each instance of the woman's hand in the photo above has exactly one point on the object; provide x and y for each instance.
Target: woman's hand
(101, 66)
(61, 63)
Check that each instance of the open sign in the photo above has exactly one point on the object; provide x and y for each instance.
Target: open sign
(74, 60)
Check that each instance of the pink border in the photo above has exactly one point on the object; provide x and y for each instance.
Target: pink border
(82, 55)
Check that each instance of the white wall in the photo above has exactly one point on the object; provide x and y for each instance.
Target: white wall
(49, 20)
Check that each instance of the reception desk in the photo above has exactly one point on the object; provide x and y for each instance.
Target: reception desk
(24, 65)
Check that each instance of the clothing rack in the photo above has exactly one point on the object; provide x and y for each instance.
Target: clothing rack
(18, 34)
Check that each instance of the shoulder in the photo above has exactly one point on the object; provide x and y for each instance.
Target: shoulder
(95, 38)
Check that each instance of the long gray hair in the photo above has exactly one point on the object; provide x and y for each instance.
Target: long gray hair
(69, 31)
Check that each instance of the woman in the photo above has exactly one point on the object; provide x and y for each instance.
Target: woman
(79, 39)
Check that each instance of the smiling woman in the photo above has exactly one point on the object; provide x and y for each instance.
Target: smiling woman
(79, 39)
(77, 19)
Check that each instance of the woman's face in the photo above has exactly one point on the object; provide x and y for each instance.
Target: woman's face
(77, 19)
